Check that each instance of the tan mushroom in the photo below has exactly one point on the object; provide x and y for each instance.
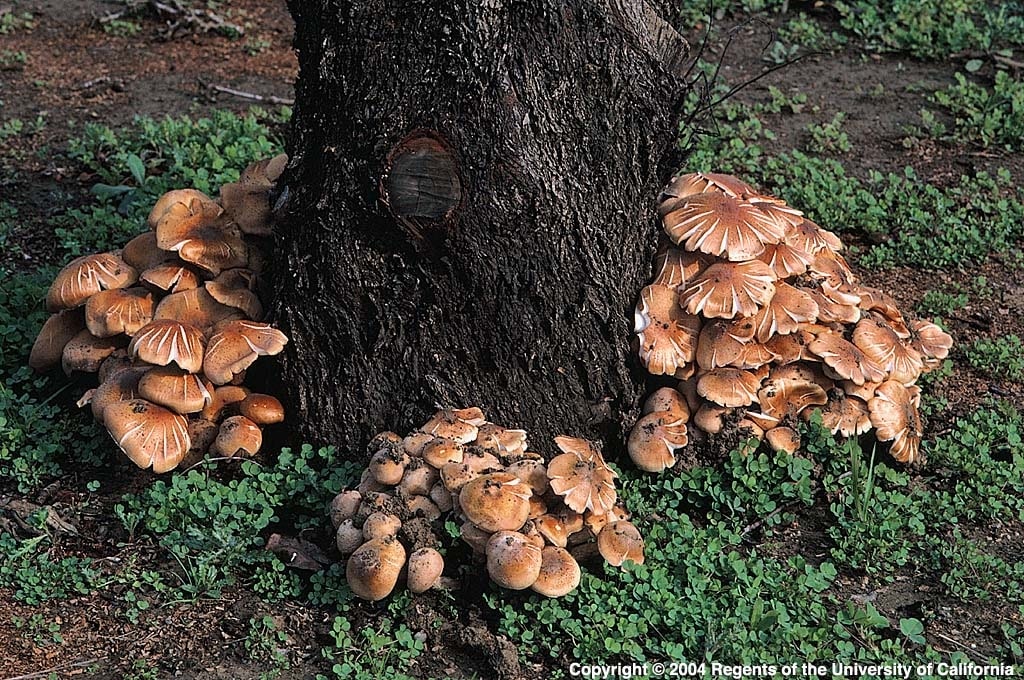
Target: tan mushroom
(783, 439)
(668, 336)
(730, 289)
(173, 388)
(141, 252)
(418, 478)
(674, 267)
(373, 569)
(421, 506)
(236, 345)
(782, 398)
(425, 568)
(847, 415)
(344, 506)
(85, 276)
(894, 413)
(847, 360)
(55, 334)
(688, 184)
(440, 451)
(581, 476)
(513, 561)
(785, 259)
(121, 386)
(261, 409)
(711, 417)
(85, 352)
(164, 342)
(381, 525)
(461, 425)
(785, 313)
(348, 537)
(150, 435)
(667, 399)
(235, 288)
(501, 441)
(195, 307)
(729, 387)
(170, 277)
(119, 310)
(499, 501)
(620, 541)
(883, 346)
(654, 440)
(810, 238)
(388, 465)
(238, 436)
(247, 201)
(721, 225)
(929, 340)
(531, 472)
(224, 397)
(475, 537)
(193, 226)
(559, 572)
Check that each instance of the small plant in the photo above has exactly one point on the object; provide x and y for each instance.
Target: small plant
(987, 117)
(829, 137)
(265, 645)
(11, 21)
(11, 60)
(40, 631)
(1000, 358)
(384, 652)
(941, 303)
(122, 28)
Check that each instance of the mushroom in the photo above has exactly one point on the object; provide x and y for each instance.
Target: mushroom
(193, 227)
(344, 506)
(141, 252)
(238, 436)
(223, 397)
(234, 288)
(513, 561)
(120, 386)
(496, 502)
(195, 307)
(373, 569)
(170, 277)
(261, 409)
(175, 389)
(150, 435)
(236, 345)
(85, 352)
(721, 225)
(247, 201)
(559, 572)
(781, 398)
(785, 312)
(348, 537)
(421, 506)
(930, 341)
(846, 415)
(381, 525)
(846, 359)
(581, 476)
(461, 425)
(668, 336)
(620, 541)
(531, 472)
(667, 399)
(894, 413)
(418, 478)
(783, 439)
(785, 259)
(475, 537)
(730, 387)
(85, 276)
(119, 310)
(388, 465)
(689, 184)
(425, 568)
(711, 417)
(810, 238)
(500, 441)
(164, 341)
(674, 268)
(881, 344)
(655, 438)
(56, 333)
(730, 289)
(440, 451)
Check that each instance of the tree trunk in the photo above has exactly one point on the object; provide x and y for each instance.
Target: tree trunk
(470, 212)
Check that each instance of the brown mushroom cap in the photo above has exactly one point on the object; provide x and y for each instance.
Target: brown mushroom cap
(498, 501)
(261, 409)
(141, 252)
(418, 479)
(721, 225)
(348, 537)
(119, 310)
(783, 439)
(788, 309)
(223, 397)
(654, 440)
(440, 451)
(121, 386)
(236, 345)
(847, 415)
(930, 340)
(668, 336)
(195, 307)
(164, 341)
(674, 267)
(238, 436)
(559, 572)
(881, 344)
(148, 434)
(170, 277)
(730, 387)
(730, 289)
(388, 465)
(555, 530)
(894, 413)
(247, 200)
(531, 472)
(85, 276)
(344, 506)
(85, 352)
(667, 399)
(425, 568)
(421, 506)
(513, 561)
(500, 441)
(461, 425)
(810, 238)
(173, 388)
(56, 333)
(710, 417)
(475, 537)
(373, 569)
(581, 476)
(193, 227)
(235, 288)
(202, 433)
(846, 359)
(785, 259)
(381, 525)
(688, 184)
(781, 397)
(620, 541)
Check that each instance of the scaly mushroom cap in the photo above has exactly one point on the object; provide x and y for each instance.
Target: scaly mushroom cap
(197, 308)
(344, 506)
(149, 434)
(881, 344)
(513, 561)
(674, 267)
(667, 400)
(620, 541)
(894, 413)
(85, 276)
(425, 568)
(439, 451)
(780, 398)
(175, 389)
(581, 476)
(238, 436)
(388, 465)
(730, 289)
(461, 425)
(711, 417)
(193, 228)
(790, 348)
(373, 569)
(164, 341)
(501, 441)
(731, 387)
(121, 386)
(846, 359)
(141, 252)
(531, 472)
(261, 409)
(722, 225)
(85, 352)
(119, 310)
(234, 288)
(236, 345)
(810, 238)
(788, 309)
(722, 343)
(56, 333)
(223, 397)
(247, 201)
(559, 572)
(499, 501)
(171, 277)
(783, 439)
(668, 336)
(655, 438)
(930, 340)
(847, 415)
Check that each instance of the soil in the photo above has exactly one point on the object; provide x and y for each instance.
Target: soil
(77, 73)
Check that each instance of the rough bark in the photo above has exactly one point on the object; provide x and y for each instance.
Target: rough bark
(470, 212)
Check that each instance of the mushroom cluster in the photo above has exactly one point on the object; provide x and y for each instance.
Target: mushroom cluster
(529, 520)
(753, 309)
(170, 324)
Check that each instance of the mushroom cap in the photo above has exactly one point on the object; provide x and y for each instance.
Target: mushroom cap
(581, 476)
(810, 238)
(348, 537)
(425, 568)
(373, 569)
(202, 433)
(788, 309)
(418, 478)
(513, 561)
(531, 472)
(170, 277)
(730, 387)
(414, 442)
(442, 497)
(195, 307)
(894, 413)
(667, 399)
(345, 505)
(785, 259)
(881, 344)
(262, 409)
(388, 465)
(722, 225)
(165, 341)
(440, 451)
(674, 267)
(559, 572)
(141, 252)
(688, 184)
(711, 417)
(381, 525)
(846, 359)
(85, 352)
(121, 386)
(118, 310)
(238, 436)
(498, 501)
(173, 388)
(668, 336)
(500, 441)
(722, 343)
(421, 506)
(223, 397)
(460, 425)
(781, 397)
(236, 345)
(475, 537)
(234, 288)
(454, 476)
(85, 276)
(730, 289)
(193, 227)
(846, 415)
(171, 198)
(555, 530)
(150, 435)
(248, 206)
(793, 347)
(930, 340)
(654, 440)
(783, 439)
(620, 541)
(56, 333)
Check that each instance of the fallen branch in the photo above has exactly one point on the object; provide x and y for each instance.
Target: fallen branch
(252, 96)
(47, 672)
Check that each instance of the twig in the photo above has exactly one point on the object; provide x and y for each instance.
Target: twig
(973, 652)
(94, 82)
(48, 671)
(269, 99)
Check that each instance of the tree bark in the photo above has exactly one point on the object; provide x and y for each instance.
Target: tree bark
(470, 212)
